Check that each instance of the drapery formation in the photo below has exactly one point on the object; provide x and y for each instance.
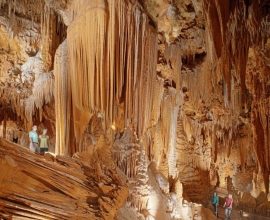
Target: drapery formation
(62, 99)
(260, 120)
(112, 52)
(239, 31)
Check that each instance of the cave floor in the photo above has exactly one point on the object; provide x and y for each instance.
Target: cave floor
(236, 215)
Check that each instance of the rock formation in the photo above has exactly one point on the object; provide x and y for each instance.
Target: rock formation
(150, 106)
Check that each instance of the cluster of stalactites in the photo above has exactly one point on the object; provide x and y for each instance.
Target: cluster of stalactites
(43, 20)
(30, 8)
(130, 157)
(43, 93)
(126, 158)
(260, 119)
(112, 61)
(242, 21)
(39, 13)
(263, 114)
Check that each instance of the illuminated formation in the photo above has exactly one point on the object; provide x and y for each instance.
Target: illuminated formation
(111, 65)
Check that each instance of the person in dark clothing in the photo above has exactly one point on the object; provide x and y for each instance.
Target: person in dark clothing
(15, 140)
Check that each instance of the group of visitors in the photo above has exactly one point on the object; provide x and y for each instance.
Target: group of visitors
(38, 143)
(228, 205)
(215, 201)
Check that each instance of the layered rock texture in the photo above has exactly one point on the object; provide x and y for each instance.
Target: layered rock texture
(150, 106)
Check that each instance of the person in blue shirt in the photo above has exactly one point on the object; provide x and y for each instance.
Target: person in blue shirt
(215, 201)
(33, 136)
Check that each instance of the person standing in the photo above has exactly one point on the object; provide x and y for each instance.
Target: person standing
(215, 201)
(44, 141)
(33, 136)
(228, 206)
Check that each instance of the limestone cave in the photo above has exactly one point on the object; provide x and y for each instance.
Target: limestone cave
(148, 108)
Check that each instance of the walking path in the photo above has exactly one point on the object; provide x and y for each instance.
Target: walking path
(235, 215)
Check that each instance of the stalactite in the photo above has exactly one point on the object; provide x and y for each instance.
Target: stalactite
(104, 79)
(157, 99)
(126, 158)
(159, 155)
(263, 121)
(169, 112)
(137, 201)
(9, 9)
(139, 189)
(195, 154)
(50, 35)
(146, 83)
(62, 99)
(268, 133)
(126, 153)
(43, 91)
(87, 61)
(5, 124)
